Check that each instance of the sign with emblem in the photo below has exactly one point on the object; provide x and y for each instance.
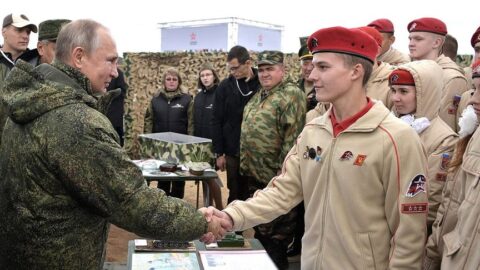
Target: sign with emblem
(416, 186)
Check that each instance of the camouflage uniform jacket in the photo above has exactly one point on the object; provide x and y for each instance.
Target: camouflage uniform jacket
(269, 129)
(6, 64)
(64, 177)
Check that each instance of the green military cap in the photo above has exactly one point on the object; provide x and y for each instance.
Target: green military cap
(49, 29)
(303, 40)
(304, 53)
(270, 58)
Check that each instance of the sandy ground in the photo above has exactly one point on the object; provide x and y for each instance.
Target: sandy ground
(117, 243)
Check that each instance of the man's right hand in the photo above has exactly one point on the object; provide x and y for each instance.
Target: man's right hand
(221, 162)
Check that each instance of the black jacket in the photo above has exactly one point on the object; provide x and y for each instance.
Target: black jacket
(203, 113)
(230, 99)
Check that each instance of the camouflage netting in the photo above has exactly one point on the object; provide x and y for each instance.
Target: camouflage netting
(144, 71)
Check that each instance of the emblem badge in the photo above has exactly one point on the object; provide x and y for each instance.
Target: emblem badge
(413, 26)
(417, 185)
(346, 156)
(319, 154)
(445, 160)
(312, 153)
(359, 160)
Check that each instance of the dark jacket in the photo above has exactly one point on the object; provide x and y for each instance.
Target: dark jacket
(64, 177)
(116, 110)
(203, 113)
(169, 112)
(230, 99)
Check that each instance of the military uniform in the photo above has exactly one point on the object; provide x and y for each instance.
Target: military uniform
(454, 243)
(394, 57)
(365, 200)
(271, 122)
(438, 138)
(377, 86)
(65, 177)
(454, 86)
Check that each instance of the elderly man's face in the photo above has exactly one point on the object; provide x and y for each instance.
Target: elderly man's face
(46, 49)
(100, 66)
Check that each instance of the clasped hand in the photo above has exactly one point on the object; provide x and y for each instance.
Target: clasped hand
(218, 224)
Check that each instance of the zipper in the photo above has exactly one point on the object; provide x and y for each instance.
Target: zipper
(325, 201)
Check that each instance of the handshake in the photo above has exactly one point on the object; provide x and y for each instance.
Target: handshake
(218, 224)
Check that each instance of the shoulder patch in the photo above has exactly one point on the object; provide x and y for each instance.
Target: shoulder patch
(414, 208)
(416, 186)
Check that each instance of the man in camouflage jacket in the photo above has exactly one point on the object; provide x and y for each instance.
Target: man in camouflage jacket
(272, 120)
(63, 175)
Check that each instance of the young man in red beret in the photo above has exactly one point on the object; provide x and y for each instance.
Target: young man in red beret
(388, 54)
(359, 169)
(427, 36)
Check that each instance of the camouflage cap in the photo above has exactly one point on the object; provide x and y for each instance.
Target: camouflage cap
(270, 58)
(49, 29)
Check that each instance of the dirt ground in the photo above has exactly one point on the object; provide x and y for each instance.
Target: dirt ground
(117, 243)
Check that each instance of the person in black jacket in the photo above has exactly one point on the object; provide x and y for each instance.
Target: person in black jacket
(116, 109)
(230, 98)
(202, 117)
(170, 111)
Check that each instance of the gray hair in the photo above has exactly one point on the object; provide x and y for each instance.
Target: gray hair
(79, 33)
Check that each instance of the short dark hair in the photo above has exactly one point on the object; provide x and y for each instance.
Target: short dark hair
(450, 47)
(238, 52)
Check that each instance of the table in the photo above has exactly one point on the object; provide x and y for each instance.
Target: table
(151, 172)
(198, 256)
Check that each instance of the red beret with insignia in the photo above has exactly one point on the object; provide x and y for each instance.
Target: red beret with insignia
(343, 40)
(373, 33)
(428, 24)
(383, 26)
(400, 77)
(475, 38)
(476, 69)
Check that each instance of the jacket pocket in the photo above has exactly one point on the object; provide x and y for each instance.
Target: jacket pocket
(452, 243)
(366, 251)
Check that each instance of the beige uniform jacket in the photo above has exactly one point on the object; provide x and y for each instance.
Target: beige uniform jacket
(377, 86)
(468, 75)
(438, 139)
(394, 57)
(454, 239)
(319, 110)
(463, 104)
(365, 205)
(455, 84)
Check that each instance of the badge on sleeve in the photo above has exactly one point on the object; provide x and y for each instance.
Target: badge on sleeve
(416, 186)
(414, 208)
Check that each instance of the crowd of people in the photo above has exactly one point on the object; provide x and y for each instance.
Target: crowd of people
(369, 161)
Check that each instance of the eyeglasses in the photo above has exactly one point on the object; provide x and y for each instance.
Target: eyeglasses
(171, 79)
(234, 69)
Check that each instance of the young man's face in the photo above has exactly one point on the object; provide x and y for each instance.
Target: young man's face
(237, 69)
(475, 99)
(387, 41)
(307, 67)
(100, 67)
(332, 79)
(270, 75)
(422, 44)
(15, 39)
(476, 49)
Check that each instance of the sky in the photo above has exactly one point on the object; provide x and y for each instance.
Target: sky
(134, 24)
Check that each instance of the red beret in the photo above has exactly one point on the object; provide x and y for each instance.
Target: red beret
(427, 24)
(371, 31)
(343, 40)
(475, 38)
(383, 26)
(476, 69)
(400, 77)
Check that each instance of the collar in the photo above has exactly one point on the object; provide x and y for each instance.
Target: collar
(75, 75)
(341, 126)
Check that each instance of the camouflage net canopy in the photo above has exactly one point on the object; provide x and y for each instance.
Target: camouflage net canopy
(144, 71)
